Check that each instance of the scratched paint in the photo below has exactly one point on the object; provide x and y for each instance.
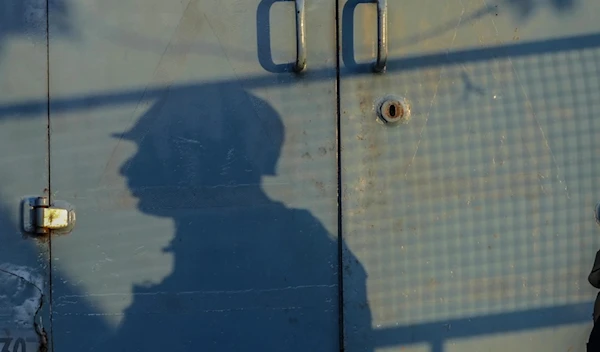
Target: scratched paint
(21, 292)
(21, 298)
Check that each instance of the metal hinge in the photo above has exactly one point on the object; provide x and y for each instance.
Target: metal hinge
(40, 217)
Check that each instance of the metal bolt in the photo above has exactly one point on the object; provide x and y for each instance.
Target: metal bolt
(393, 110)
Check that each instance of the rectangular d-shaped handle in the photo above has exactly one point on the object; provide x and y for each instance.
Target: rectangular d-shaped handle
(300, 64)
(382, 48)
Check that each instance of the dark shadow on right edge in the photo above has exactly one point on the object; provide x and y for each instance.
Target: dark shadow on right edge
(250, 273)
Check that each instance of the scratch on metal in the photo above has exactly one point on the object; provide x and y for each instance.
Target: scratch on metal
(530, 106)
(216, 292)
(434, 93)
(225, 310)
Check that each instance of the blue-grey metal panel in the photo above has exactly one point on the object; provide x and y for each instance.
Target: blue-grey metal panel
(24, 299)
(472, 224)
(204, 175)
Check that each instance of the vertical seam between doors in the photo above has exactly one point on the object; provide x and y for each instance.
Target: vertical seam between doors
(48, 136)
(339, 182)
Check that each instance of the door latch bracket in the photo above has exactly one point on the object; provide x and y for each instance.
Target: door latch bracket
(40, 217)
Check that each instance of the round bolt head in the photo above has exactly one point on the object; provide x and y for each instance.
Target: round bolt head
(393, 109)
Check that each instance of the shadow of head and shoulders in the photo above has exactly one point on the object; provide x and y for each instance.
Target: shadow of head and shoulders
(249, 273)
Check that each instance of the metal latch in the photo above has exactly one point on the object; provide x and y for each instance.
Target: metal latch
(39, 216)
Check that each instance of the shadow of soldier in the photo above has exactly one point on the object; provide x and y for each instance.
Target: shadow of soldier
(250, 273)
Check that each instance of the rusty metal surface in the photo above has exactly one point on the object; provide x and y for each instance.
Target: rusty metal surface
(473, 222)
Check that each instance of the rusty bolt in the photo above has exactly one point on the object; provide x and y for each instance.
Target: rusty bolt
(394, 109)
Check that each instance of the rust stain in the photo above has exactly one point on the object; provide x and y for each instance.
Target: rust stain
(321, 187)
(398, 225)
(364, 104)
(392, 110)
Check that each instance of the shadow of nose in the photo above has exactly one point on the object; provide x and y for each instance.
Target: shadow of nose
(123, 167)
(120, 137)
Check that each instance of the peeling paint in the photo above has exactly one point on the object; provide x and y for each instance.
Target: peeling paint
(21, 299)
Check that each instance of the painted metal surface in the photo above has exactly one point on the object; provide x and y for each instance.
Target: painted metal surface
(206, 202)
(207, 195)
(24, 298)
(474, 221)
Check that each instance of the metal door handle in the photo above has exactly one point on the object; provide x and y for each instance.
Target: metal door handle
(382, 48)
(300, 37)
